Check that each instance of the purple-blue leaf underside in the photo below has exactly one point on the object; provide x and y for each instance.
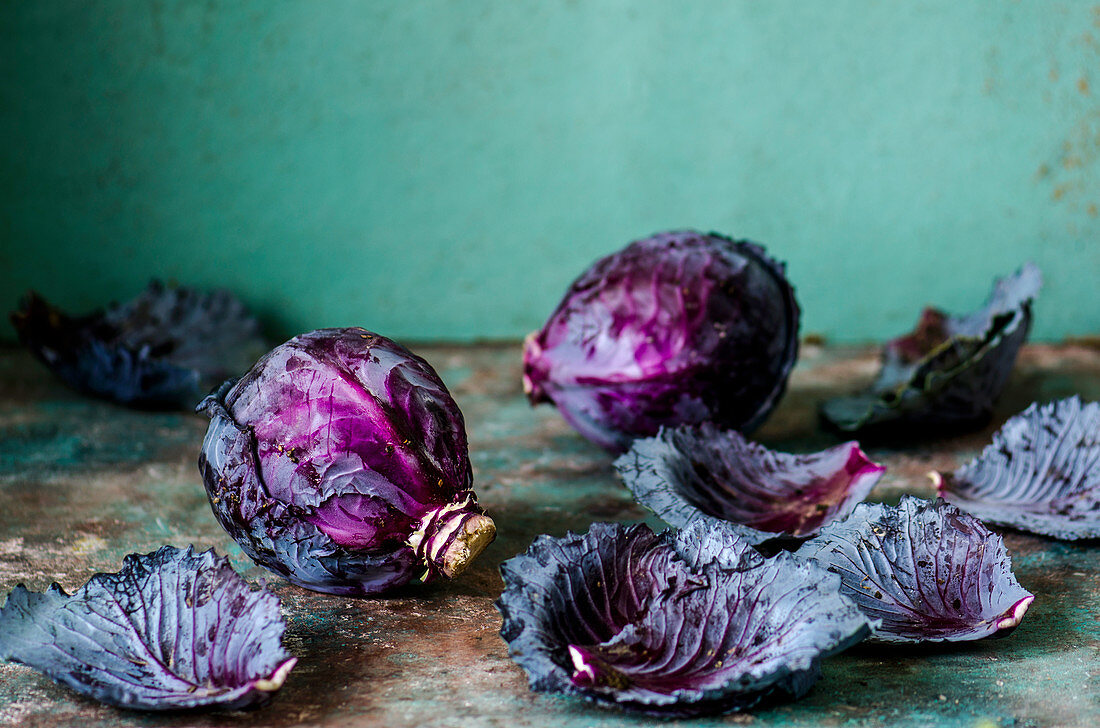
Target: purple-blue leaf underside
(620, 617)
(1041, 473)
(925, 569)
(171, 630)
(160, 349)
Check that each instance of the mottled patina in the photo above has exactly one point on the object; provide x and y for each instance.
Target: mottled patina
(86, 482)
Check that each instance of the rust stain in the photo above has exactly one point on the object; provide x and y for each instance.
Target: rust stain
(1083, 85)
(1021, 544)
(1087, 341)
(1080, 150)
(814, 339)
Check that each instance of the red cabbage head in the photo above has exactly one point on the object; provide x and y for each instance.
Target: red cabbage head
(676, 329)
(340, 462)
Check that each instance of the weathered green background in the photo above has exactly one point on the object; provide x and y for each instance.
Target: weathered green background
(443, 169)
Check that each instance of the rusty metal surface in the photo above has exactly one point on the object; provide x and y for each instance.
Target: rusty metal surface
(85, 482)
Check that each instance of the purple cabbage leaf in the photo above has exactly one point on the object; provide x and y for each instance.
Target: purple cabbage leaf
(926, 570)
(950, 370)
(704, 542)
(171, 630)
(340, 462)
(649, 623)
(678, 328)
(162, 349)
(687, 474)
(1041, 473)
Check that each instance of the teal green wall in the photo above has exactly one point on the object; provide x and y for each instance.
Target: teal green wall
(442, 170)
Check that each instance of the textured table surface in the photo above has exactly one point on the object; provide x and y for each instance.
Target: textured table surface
(84, 483)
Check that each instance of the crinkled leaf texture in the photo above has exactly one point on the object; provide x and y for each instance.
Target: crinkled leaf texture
(339, 461)
(171, 630)
(161, 349)
(950, 370)
(679, 328)
(687, 474)
(672, 624)
(927, 570)
(1041, 473)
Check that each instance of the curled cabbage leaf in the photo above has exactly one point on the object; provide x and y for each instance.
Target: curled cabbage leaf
(697, 473)
(651, 623)
(927, 570)
(679, 328)
(340, 462)
(163, 349)
(1041, 473)
(171, 630)
(949, 371)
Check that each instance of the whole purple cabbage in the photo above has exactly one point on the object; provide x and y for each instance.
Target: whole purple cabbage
(340, 462)
(679, 328)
